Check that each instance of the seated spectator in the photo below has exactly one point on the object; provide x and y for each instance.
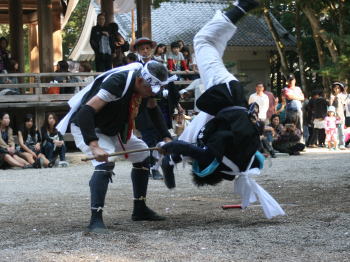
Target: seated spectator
(63, 67)
(29, 141)
(181, 44)
(176, 60)
(274, 129)
(131, 58)
(8, 154)
(160, 54)
(187, 55)
(12, 69)
(288, 141)
(85, 67)
(4, 56)
(118, 45)
(281, 109)
(52, 141)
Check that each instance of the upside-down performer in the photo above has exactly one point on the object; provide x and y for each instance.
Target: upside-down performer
(223, 140)
(102, 119)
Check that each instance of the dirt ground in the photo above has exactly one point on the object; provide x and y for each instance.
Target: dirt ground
(43, 214)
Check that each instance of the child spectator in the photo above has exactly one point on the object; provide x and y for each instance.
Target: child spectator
(63, 67)
(338, 100)
(8, 154)
(160, 54)
(281, 109)
(29, 141)
(85, 67)
(52, 141)
(176, 60)
(317, 109)
(331, 122)
(187, 55)
(131, 58)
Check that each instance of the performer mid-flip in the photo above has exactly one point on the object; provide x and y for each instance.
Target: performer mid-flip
(102, 123)
(223, 140)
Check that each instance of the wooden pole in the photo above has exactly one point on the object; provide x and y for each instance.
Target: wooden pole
(16, 32)
(107, 8)
(133, 36)
(57, 33)
(33, 48)
(45, 35)
(144, 24)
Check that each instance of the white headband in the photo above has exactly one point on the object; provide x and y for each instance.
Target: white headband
(154, 82)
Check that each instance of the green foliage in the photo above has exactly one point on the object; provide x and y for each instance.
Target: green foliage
(74, 27)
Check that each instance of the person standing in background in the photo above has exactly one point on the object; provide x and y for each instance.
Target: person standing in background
(100, 43)
(261, 99)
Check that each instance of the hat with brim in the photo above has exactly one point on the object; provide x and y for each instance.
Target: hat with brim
(143, 41)
(331, 109)
(341, 86)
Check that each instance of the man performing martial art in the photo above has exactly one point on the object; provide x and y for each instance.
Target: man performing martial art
(223, 140)
(102, 120)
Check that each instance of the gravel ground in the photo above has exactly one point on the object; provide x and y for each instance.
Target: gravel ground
(43, 214)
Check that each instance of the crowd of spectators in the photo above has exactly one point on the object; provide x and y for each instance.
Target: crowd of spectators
(298, 122)
(35, 149)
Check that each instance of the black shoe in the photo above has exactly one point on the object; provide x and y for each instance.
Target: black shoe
(156, 175)
(142, 213)
(168, 172)
(96, 223)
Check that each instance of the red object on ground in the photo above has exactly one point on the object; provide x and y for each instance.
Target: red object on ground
(231, 206)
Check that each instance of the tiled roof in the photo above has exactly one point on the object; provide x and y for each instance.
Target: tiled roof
(182, 20)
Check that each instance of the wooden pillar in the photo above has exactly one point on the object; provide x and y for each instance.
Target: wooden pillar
(45, 35)
(33, 45)
(57, 33)
(144, 24)
(16, 32)
(107, 7)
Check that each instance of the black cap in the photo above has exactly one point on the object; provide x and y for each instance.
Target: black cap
(291, 77)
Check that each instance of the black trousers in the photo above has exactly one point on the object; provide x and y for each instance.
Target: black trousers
(103, 62)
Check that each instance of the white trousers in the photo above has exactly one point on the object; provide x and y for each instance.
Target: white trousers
(111, 144)
(209, 46)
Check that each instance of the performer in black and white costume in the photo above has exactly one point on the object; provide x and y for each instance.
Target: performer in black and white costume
(223, 140)
(102, 120)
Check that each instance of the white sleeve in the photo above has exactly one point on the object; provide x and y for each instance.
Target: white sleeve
(251, 99)
(106, 96)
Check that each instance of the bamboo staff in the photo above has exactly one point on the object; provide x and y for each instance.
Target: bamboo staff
(124, 153)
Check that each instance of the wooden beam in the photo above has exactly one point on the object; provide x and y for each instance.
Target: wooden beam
(45, 35)
(108, 8)
(33, 45)
(27, 18)
(144, 24)
(16, 32)
(57, 33)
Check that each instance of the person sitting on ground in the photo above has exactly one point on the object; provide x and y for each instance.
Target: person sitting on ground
(176, 60)
(8, 155)
(288, 140)
(271, 133)
(29, 140)
(52, 141)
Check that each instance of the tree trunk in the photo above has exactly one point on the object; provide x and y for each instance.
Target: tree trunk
(315, 25)
(300, 48)
(278, 42)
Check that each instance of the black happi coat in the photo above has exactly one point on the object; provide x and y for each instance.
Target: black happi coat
(230, 133)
